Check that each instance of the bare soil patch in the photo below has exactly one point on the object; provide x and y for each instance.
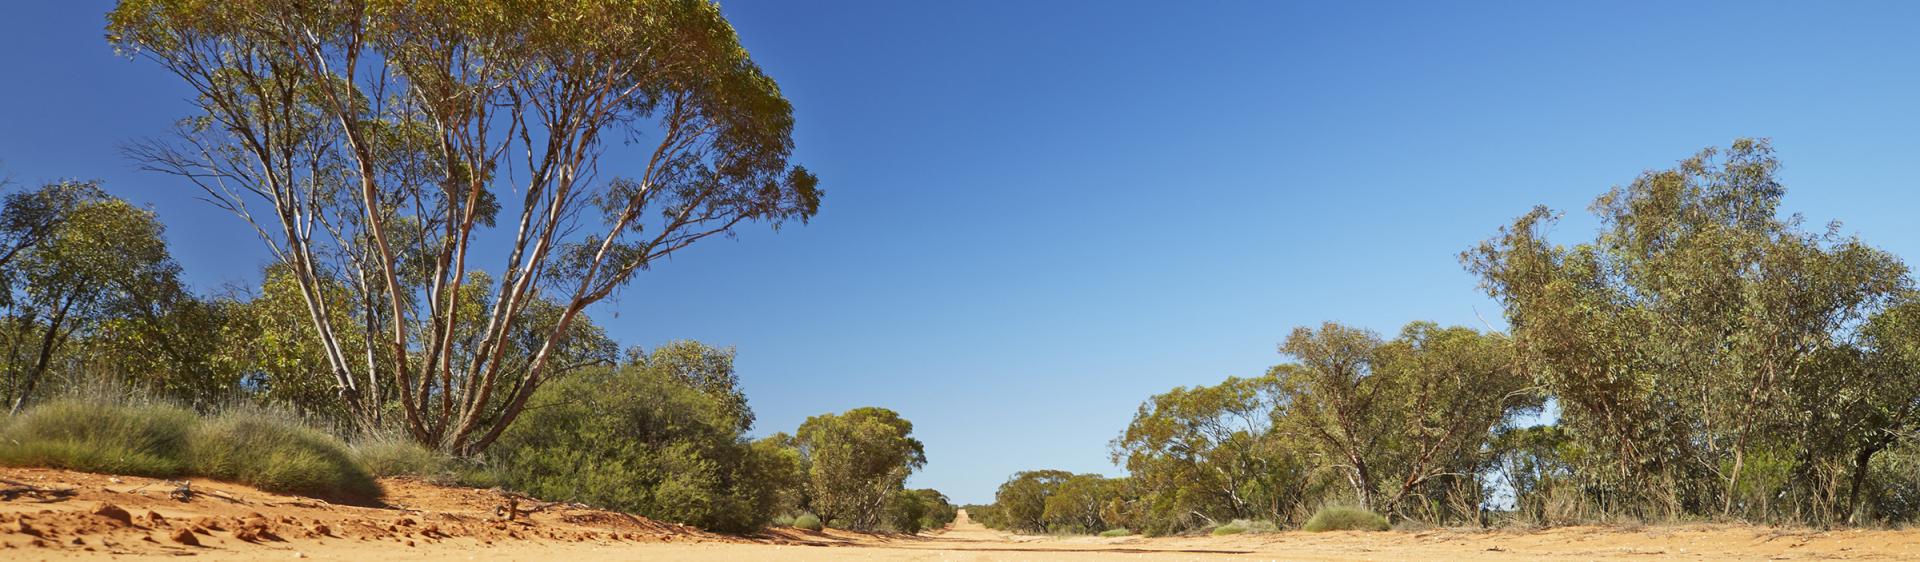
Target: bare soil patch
(115, 518)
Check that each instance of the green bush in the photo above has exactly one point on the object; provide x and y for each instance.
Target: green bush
(1115, 533)
(783, 521)
(808, 521)
(278, 454)
(1345, 518)
(1239, 526)
(388, 457)
(143, 440)
(649, 438)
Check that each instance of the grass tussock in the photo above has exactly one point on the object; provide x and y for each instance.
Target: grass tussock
(1242, 526)
(135, 440)
(276, 453)
(808, 521)
(1345, 518)
(1116, 533)
(389, 457)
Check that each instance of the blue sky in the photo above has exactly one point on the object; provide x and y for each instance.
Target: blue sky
(1040, 213)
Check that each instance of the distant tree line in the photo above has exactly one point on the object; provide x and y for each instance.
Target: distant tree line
(1707, 357)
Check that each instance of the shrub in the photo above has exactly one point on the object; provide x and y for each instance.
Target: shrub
(388, 457)
(645, 439)
(278, 454)
(1345, 518)
(783, 521)
(1115, 533)
(1239, 526)
(143, 440)
(808, 521)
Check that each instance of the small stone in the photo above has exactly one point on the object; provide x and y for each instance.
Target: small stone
(114, 512)
(25, 528)
(323, 530)
(154, 518)
(298, 554)
(185, 537)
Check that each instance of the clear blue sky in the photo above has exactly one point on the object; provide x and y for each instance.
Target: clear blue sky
(1040, 213)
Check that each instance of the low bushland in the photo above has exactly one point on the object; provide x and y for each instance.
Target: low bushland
(1116, 533)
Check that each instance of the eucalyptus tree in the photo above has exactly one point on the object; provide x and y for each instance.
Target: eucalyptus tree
(375, 144)
(1022, 499)
(1078, 505)
(29, 216)
(1676, 339)
(102, 263)
(1403, 418)
(1866, 402)
(1206, 454)
(856, 462)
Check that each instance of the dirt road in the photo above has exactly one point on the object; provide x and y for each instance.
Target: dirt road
(421, 521)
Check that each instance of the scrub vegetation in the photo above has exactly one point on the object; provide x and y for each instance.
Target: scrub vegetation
(1707, 358)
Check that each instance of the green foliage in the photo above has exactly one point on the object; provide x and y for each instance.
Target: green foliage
(1241, 526)
(1021, 501)
(987, 515)
(87, 279)
(906, 512)
(644, 438)
(1115, 533)
(403, 185)
(277, 453)
(1209, 453)
(808, 521)
(1345, 518)
(142, 440)
(1701, 339)
(856, 461)
(912, 511)
(1077, 505)
(1410, 417)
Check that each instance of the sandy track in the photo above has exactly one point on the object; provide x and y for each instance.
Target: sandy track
(426, 522)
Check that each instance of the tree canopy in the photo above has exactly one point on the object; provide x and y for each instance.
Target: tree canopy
(370, 143)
